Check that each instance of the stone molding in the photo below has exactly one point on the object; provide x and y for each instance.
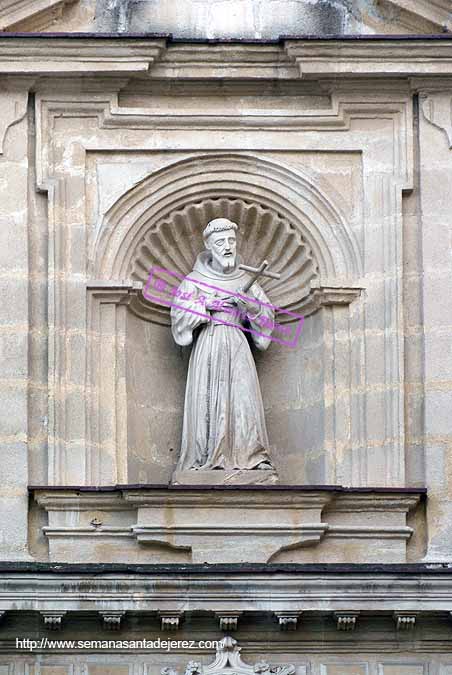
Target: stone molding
(204, 533)
(369, 594)
(437, 12)
(158, 58)
(64, 56)
(30, 14)
(325, 58)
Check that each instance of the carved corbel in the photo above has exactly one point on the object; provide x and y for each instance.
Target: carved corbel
(324, 296)
(53, 620)
(288, 620)
(112, 620)
(170, 621)
(405, 620)
(346, 620)
(228, 620)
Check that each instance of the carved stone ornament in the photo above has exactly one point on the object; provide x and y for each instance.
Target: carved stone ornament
(228, 620)
(405, 620)
(346, 621)
(263, 234)
(288, 620)
(229, 662)
(170, 621)
(53, 620)
(437, 109)
(112, 619)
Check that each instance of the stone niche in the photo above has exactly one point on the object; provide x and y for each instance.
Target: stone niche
(132, 186)
(284, 218)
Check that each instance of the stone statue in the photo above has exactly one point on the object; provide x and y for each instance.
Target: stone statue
(224, 425)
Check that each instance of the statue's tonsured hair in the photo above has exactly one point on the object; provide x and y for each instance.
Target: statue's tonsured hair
(218, 225)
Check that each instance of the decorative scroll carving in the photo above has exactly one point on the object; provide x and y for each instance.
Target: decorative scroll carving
(228, 620)
(13, 106)
(437, 109)
(229, 662)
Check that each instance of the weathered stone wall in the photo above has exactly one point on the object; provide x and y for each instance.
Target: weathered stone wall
(247, 19)
(14, 319)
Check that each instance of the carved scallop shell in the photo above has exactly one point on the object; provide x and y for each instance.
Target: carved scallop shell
(175, 241)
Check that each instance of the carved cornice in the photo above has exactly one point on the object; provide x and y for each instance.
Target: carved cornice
(238, 61)
(338, 594)
(156, 58)
(81, 57)
(370, 57)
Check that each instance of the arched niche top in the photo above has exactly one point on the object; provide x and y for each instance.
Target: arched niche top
(174, 242)
(281, 215)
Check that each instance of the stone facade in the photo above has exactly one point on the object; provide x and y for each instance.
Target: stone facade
(333, 154)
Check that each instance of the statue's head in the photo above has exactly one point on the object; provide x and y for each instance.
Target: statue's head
(221, 240)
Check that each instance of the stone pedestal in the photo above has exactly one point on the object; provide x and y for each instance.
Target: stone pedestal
(228, 524)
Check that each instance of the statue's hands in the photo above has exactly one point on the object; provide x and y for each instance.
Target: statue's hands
(247, 305)
(219, 303)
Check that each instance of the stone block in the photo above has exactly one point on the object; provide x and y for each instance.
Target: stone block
(13, 352)
(401, 669)
(345, 668)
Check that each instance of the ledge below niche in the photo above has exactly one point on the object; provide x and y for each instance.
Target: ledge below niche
(227, 524)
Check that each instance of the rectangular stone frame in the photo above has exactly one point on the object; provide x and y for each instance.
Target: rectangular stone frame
(90, 122)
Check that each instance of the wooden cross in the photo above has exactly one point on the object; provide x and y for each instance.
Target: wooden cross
(258, 272)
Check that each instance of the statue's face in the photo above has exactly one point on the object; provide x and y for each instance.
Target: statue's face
(223, 246)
